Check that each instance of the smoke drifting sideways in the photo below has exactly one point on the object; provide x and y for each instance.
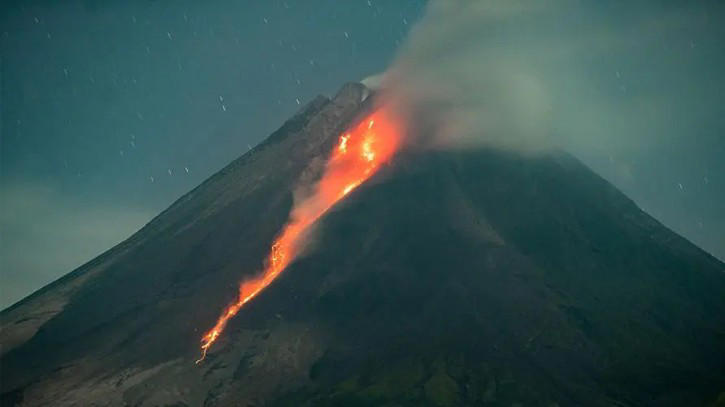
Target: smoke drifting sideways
(532, 74)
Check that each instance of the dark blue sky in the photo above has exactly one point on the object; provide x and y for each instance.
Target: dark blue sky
(98, 99)
(112, 110)
(106, 105)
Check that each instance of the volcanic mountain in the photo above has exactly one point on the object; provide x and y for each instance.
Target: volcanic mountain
(449, 278)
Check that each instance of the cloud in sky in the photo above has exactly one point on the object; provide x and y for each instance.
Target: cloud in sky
(47, 234)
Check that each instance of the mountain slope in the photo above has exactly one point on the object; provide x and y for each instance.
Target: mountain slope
(450, 278)
(493, 267)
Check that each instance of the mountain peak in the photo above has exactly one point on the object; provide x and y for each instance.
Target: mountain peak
(449, 278)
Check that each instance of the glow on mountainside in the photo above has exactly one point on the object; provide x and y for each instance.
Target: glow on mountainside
(358, 155)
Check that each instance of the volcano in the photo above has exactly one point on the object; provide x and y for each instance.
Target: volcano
(449, 278)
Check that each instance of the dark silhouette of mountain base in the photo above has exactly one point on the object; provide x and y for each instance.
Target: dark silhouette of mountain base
(467, 278)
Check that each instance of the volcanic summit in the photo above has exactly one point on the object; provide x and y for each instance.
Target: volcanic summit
(443, 278)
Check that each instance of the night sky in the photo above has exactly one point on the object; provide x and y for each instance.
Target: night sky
(112, 110)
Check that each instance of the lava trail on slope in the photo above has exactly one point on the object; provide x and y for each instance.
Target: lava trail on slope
(358, 155)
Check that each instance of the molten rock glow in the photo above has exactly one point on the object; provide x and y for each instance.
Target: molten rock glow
(357, 156)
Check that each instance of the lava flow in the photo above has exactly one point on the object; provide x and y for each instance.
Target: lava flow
(357, 156)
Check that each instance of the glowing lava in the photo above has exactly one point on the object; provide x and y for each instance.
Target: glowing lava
(359, 153)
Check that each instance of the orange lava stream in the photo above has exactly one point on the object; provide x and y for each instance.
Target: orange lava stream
(357, 156)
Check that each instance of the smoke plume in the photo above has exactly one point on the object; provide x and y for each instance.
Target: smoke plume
(634, 89)
(531, 74)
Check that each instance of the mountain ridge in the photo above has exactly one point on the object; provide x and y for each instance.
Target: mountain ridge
(482, 277)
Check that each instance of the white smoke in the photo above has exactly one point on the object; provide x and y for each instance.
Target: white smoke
(532, 74)
(468, 82)
(632, 88)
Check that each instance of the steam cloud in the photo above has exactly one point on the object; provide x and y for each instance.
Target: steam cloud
(531, 74)
(633, 89)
